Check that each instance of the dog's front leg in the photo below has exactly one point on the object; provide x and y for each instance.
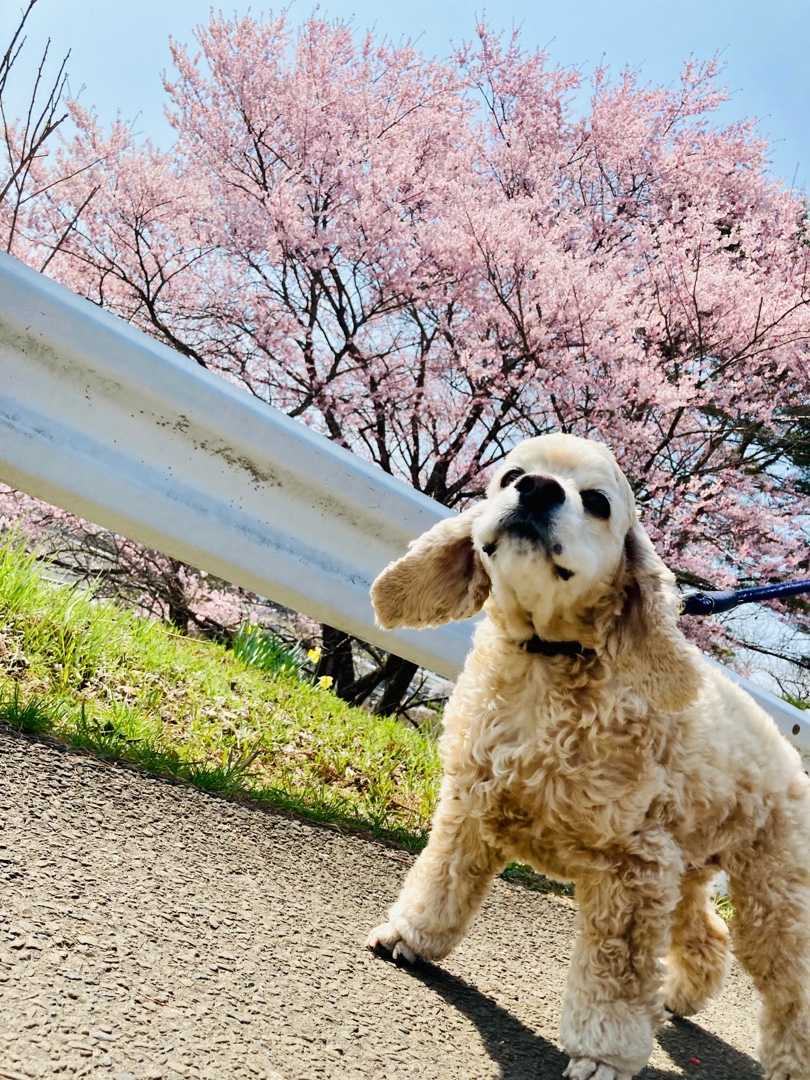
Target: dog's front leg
(612, 1004)
(443, 889)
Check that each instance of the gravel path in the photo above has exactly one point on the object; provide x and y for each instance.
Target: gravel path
(148, 931)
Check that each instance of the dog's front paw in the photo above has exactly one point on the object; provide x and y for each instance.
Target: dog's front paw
(588, 1069)
(386, 939)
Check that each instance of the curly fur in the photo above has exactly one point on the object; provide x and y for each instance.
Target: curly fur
(637, 772)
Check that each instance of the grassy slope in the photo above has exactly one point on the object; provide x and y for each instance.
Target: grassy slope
(102, 679)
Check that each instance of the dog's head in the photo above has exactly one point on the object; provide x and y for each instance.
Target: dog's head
(555, 549)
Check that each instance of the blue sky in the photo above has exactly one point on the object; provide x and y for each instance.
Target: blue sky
(119, 50)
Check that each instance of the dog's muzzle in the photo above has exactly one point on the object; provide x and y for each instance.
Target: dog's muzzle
(538, 498)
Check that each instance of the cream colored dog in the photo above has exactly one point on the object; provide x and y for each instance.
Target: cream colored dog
(586, 737)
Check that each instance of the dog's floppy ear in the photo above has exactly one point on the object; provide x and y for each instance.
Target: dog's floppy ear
(440, 579)
(651, 648)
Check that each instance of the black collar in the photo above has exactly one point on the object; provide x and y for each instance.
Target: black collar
(556, 648)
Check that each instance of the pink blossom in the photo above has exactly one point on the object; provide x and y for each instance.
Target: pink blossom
(429, 260)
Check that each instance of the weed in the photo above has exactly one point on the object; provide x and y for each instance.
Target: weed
(262, 649)
(34, 716)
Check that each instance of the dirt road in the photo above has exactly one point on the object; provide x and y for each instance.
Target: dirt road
(148, 931)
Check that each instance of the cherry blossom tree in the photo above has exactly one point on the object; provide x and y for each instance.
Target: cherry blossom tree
(429, 260)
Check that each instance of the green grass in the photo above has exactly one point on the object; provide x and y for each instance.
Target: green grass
(724, 907)
(800, 703)
(240, 723)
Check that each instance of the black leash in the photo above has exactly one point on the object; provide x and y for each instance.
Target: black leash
(713, 603)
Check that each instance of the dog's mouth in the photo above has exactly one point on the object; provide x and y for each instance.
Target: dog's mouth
(532, 529)
(519, 524)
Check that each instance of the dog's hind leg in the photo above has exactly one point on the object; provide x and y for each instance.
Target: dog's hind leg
(698, 954)
(770, 890)
(612, 1003)
(444, 888)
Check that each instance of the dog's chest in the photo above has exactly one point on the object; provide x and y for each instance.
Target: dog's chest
(536, 764)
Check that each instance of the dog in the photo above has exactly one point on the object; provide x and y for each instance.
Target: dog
(587, 738)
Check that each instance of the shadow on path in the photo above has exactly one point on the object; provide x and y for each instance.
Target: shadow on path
(522, 1054)
(702, 1055)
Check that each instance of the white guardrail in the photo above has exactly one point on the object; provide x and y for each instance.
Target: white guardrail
(99, 419)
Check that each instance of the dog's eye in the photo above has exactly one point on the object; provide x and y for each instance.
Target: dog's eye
(510, 477)
(596, 503)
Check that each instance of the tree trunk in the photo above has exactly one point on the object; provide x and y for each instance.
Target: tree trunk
(361, 688)
(177, 603)
(396, 687)
(336, 659)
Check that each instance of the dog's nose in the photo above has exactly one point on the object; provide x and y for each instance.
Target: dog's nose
(539, 493)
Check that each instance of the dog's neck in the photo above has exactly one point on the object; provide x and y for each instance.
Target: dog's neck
(576, 634)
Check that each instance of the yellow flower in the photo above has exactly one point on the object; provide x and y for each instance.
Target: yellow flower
(314, 655)
(325, 681)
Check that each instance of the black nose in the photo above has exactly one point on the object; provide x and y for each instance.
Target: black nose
(539, 493)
